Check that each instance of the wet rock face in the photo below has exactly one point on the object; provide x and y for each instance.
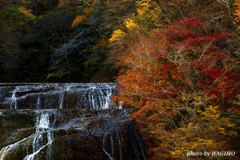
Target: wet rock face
(65, 121)
(56, 96)
(15, 125)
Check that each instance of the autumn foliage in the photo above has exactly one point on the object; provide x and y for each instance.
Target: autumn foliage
(176, 60)
(178, 73)
(172, 78)
(237, 11)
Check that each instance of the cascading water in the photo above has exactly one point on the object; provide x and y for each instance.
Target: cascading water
(14, 100)
(72, 121)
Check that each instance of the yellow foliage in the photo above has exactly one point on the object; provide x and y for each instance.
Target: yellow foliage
(198, 99)
(149, 12)
(211, 114)
(143, 7)
(117, 35)
(147, 17)
(209, 132)
(27, 12)
(120, 34)
(130, 24)
(126, 1)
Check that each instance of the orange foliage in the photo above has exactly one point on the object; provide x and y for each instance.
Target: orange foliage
(87, 11)
(102, 42)
(78, 20)
(237, 11)
(171, 78)
(69, 4)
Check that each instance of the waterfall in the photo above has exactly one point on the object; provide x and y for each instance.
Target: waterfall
(38, 102)
(43, 121)
(120, 146)
(14, 99)
(8, 148)
(68, 118)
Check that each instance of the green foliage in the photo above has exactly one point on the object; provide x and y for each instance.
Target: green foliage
(23, 3)
(59, 74)
(94, 63)
(46, 3)
(15, 18)
(39, 18)
(12, 14)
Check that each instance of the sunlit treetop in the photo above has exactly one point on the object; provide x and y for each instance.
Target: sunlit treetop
(27, 13)
(237, 11)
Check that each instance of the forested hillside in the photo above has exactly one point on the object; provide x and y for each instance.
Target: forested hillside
(58, 41)
(176, 63)
(180, 70)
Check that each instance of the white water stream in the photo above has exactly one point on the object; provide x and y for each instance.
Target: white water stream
(50, 102)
